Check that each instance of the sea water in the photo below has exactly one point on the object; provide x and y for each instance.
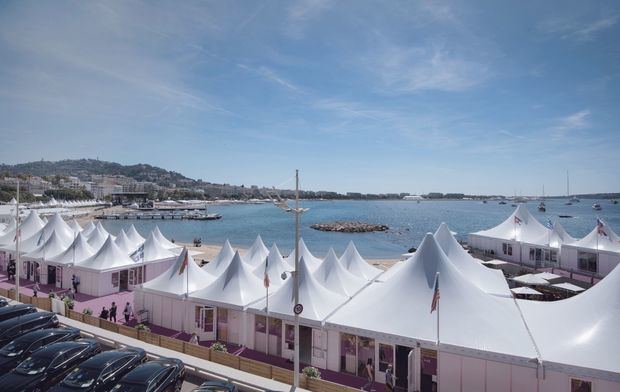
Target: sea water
(408, 222)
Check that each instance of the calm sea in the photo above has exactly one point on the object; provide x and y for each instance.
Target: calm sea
(408, 222)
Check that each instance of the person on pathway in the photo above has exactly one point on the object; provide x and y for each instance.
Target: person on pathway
(11, 270)
(389, 379)
(370, 374)
(113, 312)
(75, 280)
(35, 289)
(127, 312)
(71, 294)
(104, 313)
(194, 339)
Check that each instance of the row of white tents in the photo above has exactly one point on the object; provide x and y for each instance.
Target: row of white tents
(523, 239)
(54, 251)
(484, 340)
(52, 202)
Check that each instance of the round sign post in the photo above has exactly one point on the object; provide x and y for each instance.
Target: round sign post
(298, 308)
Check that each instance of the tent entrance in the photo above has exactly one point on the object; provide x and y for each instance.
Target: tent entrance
(401, 370)
(32, 271)
(428, 376)
(58, 277)
(51, 275)
(305, 344)
(205, 322)
(124, 280)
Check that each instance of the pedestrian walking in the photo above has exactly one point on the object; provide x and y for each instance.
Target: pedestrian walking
(389, 379)
(35, 289)
(370, 374)
(194, 339)
(104, 313)
(127, 312)
(75, 281)
(113, 312)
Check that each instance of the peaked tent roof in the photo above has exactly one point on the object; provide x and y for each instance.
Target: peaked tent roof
(109, 258)
(236, 287)
(355, 264)
(134, 236)
(596, 241)
(555, 237)
(333, 276)
(520, 226)
(124, 243)
(175, 283)
(89, 229)
(29, 226)
(154, 251)
(312, 262)
(53, 246)
(78, 250)
(580, 330)
(75, 226)
(60, 227)
(163, 240)
(13, 201)
(221, 261)
(275, 268)
(488, 280)
(470, 318)
(257, 253)
(97, 238)
(318, 302)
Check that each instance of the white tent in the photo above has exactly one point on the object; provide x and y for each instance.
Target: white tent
(599, 250)
(29, 226)
(548, 276)
(353, 262)
(51, 247)
(60, 227)
(401, 308)
(568, 287)
(235, 288)
(89, 229)
(163, 240)
(525, 291)
(488, 280)
(276, 268)
(98, 237)
(78, 250)
(13, 201)
(134, 236)
(75, 226)
(108, 258)
(257, 253)
(582, 330)
(530, 279)
(154, 251)
(312, 262)
(333, 276)
(555, 237)
(221, 261)
(124, 243)
(318, 301)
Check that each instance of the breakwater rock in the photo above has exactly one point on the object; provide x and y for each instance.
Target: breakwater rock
(349, 227)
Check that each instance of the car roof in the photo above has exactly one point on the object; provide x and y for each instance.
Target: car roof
(101, 360)
(12, 308)
(23, 318)
(41, 333)
(147, 371)
(55, 349)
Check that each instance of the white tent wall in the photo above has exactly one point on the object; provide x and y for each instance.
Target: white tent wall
(168, 312)
(607, 261)
(496, 245)
(154, 269)
(525, 252)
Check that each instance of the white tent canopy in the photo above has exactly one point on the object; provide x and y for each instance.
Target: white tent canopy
(78, 251)
(333, 276)
(97, 238)
(530, 279)
(494, 262)
(134, 236)
(568, 287)
(603, 239)
(124, 243)
(109, 258)
(60, 227)
(29, 226)
(89, 229)
(488, 280)
(548, 276)
(520, 226)
(155, 251)
(13, 201)
(257, 253)
(312, 262)
(525, 291)
(163, 240)
(235, 288)
(276, 267)
(318, 302)
(178, 281)
(221, 261)
(470, 318)
(353, 262)
(555, 237)
(75, 226)
(53, 246)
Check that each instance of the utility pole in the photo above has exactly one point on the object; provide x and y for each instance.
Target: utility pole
(296, 287)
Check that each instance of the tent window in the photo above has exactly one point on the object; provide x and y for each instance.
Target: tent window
(290, 337)
(348, 357)
(259, 323)
(554, 256)
(317, 343)
(115, 279)
(204, 318)
(275, 327)
(532, 254)
(577, 385)
(386, 356)
(587, 261)
(365, 352)
(136, 275)
(507, 249)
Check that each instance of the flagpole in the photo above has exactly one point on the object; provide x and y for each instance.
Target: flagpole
(17, 258)
(296, 281)
(438, 305)
(267, 319)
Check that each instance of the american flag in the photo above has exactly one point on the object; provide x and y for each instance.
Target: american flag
(436, 295)
(266, 280)
(600, 227)
(517, 220)
(184, 263)
(549, 224)
(138, 255)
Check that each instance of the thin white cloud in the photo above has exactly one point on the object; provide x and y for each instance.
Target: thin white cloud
(581, 31)
(578, 120)
(302, 12)
(272, 76)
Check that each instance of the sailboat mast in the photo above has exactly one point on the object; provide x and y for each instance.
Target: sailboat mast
(567, 188)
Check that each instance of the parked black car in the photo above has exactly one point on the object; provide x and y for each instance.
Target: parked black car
(8, 312)
(216, 386)
(160, 375)
(17, 326)
(19, 349)
(101, 372)
(4, 302)
(45, 367)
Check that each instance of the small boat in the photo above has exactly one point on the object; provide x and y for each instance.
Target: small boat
(565, 216)
(614, 202)
(502, 202)
(484, 202)
(597, 207)
(542, 207)
(568, 203)
(513, 205)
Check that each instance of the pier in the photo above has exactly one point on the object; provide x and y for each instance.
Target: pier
(164, 215)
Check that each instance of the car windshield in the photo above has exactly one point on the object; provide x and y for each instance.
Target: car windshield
(129, 387)
(33, 365)
(13, 349)
(81, 377)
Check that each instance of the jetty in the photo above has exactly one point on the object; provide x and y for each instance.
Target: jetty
(159, 215)
(349, 227)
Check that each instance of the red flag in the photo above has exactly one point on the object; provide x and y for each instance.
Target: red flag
(436, 295)
(600, 228)
(184, 263)
(517, 220)
(266, 280)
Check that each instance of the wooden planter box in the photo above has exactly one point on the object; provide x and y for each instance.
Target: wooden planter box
(255, 367)
(91, 320)
(171, 343)
(4, 292)
(225, 359)
(128, 331)
(108, 325)
(282, 375)
(148, 337)
(73, 315)
(317, 385)
(42, 303)
(197, 351)
(26, 299)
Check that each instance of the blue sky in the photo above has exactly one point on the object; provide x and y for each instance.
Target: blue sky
(370, 96)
